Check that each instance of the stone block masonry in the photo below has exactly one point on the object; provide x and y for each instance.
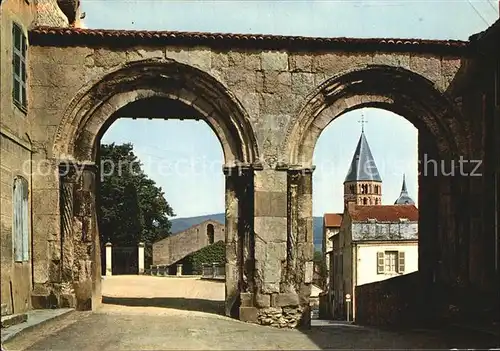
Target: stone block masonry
(177, 246)
(267, 99)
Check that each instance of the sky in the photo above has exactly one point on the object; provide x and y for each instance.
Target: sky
(185, 158)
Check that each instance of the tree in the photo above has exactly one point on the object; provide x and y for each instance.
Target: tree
(131, 207)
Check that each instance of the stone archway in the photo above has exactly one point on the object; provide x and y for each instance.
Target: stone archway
(391, 88)
(93, 110)
(442, 136)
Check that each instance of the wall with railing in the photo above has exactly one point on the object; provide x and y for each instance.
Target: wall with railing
(215, 271)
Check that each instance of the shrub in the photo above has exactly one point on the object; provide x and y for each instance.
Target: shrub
(215, 253)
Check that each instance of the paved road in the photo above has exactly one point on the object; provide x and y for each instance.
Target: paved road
(153, 313)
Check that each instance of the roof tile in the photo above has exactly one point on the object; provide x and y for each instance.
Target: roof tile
(51, 36)
(384, 213)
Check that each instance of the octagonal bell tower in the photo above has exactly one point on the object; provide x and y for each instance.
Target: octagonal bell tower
(363, 184)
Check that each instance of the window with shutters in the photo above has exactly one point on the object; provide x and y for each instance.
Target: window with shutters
(380, 262)
(401, 262)
(389, 262)
(19, 67)
(20, 230)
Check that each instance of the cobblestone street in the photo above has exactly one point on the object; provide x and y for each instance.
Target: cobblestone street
(182, 314)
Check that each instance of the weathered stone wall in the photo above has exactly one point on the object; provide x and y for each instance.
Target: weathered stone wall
(49, 13)
(272, 86)
(19, 156)
(391, 302)
(15, 148)
(179, 245)
(16, 276)
(478, 274)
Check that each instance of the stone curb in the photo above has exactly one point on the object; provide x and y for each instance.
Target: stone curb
(13, 319)
(13, 331)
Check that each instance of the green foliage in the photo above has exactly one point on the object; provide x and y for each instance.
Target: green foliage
(215, 253)
(131, 207)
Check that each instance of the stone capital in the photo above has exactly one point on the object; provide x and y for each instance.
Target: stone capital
(69, 170)
(301, 169)
(239, 169)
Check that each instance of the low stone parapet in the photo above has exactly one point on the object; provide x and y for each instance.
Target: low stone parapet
(216, 271)
(160, 270)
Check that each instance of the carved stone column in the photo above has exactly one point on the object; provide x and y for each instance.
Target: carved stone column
(300, 240)
(239, 239)
(68, 179)
(80, 237)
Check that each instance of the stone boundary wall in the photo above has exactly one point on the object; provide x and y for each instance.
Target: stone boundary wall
(390, 302)
(179, 245)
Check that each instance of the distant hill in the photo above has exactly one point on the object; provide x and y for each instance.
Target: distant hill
(181, 224)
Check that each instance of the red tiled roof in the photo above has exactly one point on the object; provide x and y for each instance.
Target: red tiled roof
(49, 36)
(332, 219)
(384, 213)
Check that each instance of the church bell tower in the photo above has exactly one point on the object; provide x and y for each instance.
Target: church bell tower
(363, 184)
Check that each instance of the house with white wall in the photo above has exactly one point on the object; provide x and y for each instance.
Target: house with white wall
(372, 242)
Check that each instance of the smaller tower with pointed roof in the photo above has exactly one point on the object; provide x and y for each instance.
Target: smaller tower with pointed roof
(404, 198)
(363, 184)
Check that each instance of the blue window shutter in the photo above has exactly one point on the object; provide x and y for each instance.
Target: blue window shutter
(16, 223)
(25, 233)
(20, 229)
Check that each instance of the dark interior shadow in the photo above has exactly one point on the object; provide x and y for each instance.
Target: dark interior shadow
(179, 303)
(338, 336)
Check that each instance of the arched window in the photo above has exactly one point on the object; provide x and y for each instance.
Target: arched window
(365, 201)
(210, 233)
(20, 230)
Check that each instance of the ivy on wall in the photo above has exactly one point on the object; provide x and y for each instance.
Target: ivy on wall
(192, 263)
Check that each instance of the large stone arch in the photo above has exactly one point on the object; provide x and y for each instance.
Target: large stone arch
(443, 223)
(391, 88)
(93, 107)
(92, 111)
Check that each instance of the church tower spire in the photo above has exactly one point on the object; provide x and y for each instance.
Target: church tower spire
(363, 184)
(404, 198)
